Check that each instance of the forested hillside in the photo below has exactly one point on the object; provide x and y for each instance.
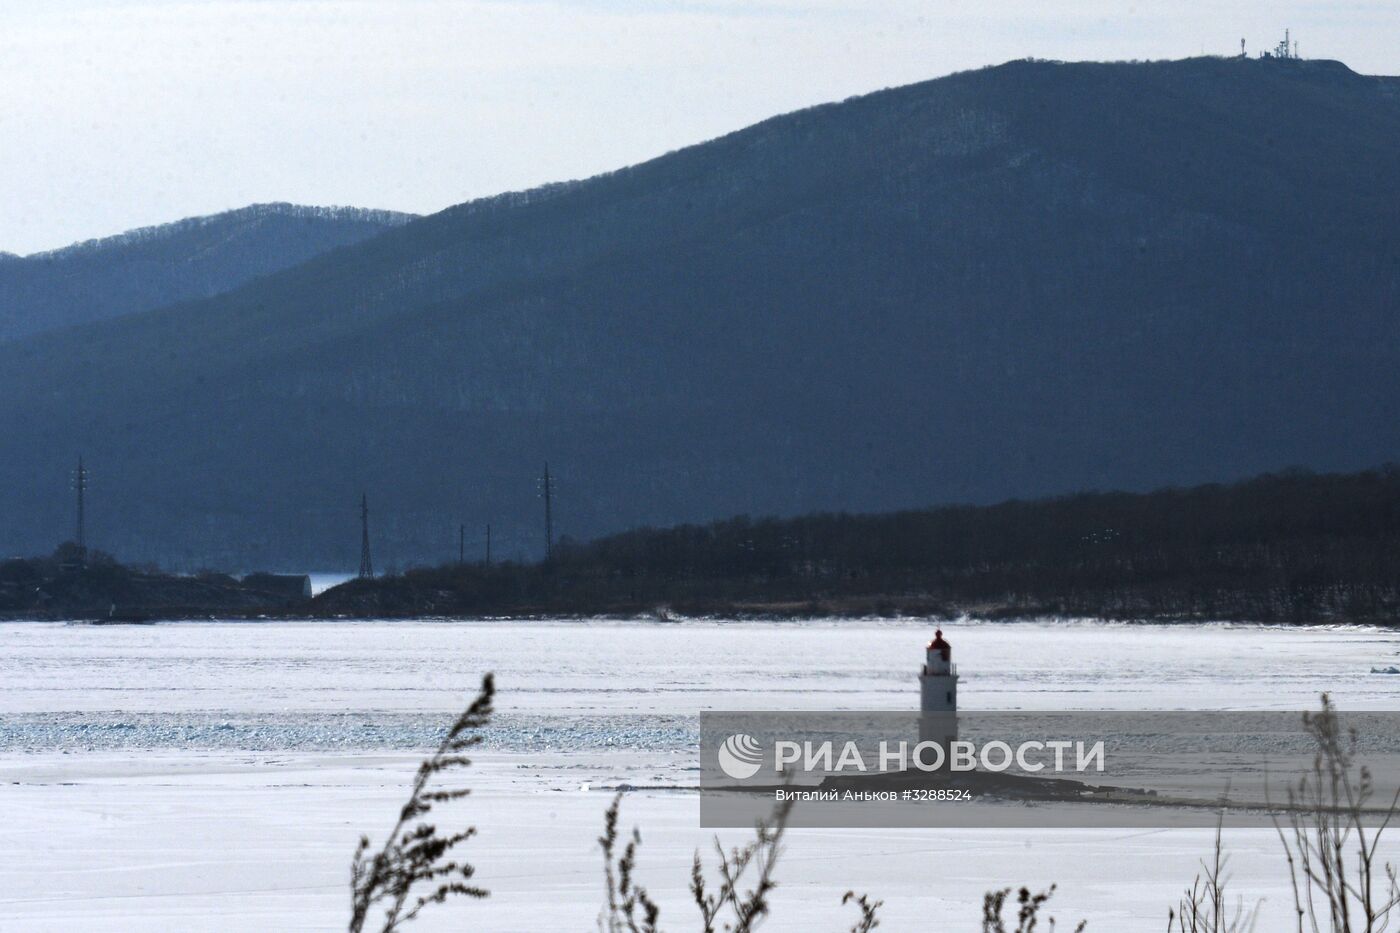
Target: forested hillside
(1020, 281)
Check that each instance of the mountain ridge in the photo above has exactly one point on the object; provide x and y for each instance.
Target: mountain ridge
(149, 233)
(147, 267)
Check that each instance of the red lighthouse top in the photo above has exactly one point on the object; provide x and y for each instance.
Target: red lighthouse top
(943, 648)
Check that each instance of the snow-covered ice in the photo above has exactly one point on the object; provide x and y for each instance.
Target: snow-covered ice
(215, 776)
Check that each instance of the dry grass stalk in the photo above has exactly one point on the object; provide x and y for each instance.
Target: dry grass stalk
(748, 907)
(736, 902)
(629, 909)
(869, 911)
(1028, 907)
(1205, 908)
(415, 857)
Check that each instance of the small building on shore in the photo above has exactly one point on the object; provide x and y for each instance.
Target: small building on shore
(289, 589)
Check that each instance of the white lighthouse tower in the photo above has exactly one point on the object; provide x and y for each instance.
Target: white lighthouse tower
(938, 693)
(938, 681)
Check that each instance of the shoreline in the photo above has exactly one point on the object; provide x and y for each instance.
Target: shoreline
(734, 617)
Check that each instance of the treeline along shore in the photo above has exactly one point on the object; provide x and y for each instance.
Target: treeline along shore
(81, 584)
(1288, 547)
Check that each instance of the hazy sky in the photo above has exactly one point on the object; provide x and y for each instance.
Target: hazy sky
(121, 113)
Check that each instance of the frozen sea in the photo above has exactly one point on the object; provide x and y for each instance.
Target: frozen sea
(216, 775)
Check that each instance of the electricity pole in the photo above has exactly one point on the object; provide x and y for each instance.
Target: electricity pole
(80, 481)
(548, 515)
(366, 565)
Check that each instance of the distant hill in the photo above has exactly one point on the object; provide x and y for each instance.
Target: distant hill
(1018, 281)
(154, 266)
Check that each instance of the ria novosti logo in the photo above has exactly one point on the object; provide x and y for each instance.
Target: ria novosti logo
(740, 756)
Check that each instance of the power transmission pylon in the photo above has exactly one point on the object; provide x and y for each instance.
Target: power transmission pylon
(80, 481)
(548, 486)
(366, 565)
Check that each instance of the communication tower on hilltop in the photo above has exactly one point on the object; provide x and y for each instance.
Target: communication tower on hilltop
(1287, 49)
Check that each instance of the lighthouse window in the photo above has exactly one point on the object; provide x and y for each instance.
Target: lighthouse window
(950, 696)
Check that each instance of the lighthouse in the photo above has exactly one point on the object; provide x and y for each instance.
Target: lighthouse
(938, 693)
(938, 681)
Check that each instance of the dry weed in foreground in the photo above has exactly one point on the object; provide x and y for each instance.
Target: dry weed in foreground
(1338, 885)
(629, 910)
(735, 902)
(625, 897)
(1028, 907)
(1206, 908)
(869, 911)
(416, 857)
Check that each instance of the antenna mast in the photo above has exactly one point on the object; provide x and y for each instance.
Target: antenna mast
(366, 565)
